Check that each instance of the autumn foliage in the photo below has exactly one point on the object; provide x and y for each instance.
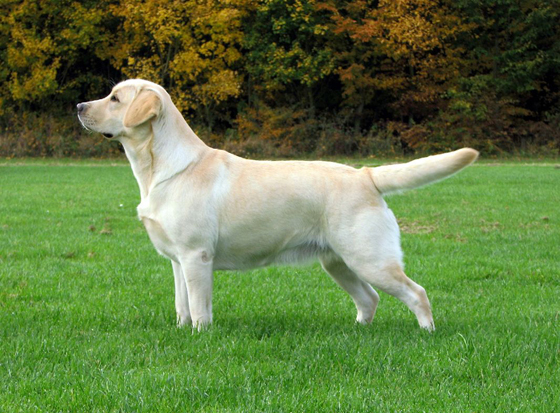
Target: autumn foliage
(288, 77)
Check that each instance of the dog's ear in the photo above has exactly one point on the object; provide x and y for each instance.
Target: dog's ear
(144, 107)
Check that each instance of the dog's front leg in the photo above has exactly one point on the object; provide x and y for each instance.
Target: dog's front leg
(197, 272)
(181, 296)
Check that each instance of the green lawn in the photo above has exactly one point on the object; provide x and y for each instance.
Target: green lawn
(87, 318)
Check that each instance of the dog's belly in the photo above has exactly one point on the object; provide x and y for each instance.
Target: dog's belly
(291, 256)
(254, 252)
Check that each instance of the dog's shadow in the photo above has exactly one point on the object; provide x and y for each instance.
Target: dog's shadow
(310, 327)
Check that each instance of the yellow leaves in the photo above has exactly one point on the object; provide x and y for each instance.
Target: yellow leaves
(40, 81)
(30, 58)
(407, 26)
(188, 64)
(41, 44)
(81, 25)
(189, 46)
(26, 50)
(220, 86)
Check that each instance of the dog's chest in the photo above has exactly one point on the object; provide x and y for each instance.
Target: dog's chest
(159, 238)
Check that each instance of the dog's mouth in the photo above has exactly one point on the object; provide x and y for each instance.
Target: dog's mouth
(89, 125)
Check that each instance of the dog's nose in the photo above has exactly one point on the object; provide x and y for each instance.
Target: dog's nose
(81, 107)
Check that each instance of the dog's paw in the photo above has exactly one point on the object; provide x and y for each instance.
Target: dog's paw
(201, 324)
(365, 317)
(428, 326)
(183, 320)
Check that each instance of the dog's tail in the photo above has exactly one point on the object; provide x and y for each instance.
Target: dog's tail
(398, 178)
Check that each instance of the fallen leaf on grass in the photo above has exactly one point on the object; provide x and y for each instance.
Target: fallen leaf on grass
(414, 227)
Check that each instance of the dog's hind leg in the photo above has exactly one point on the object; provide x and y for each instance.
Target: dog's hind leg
(181, 296)
(370, 247)
(365, 297)
(392, 280)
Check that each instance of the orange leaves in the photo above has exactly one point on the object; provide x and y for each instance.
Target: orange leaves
(418, 36)
(416, 26)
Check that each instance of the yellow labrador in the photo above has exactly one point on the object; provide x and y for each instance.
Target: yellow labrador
(206, 209)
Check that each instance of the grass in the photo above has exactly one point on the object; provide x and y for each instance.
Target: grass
(87, 313)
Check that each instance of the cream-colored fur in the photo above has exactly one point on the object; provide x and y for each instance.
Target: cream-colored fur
(206, 209)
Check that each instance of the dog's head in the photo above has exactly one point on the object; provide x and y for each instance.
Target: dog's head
(127, 112)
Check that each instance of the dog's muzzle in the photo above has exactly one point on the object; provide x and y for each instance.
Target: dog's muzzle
(81, 107)
(85, 121)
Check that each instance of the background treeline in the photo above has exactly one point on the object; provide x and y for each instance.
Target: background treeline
(286, 77)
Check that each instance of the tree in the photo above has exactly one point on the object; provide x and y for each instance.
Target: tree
(190, 47)
(287, 50)
(45, 47)
(353, 37)
(516, 48)
(423, 56)
(403, 52)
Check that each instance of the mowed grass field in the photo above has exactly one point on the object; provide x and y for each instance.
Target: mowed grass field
(87, 318)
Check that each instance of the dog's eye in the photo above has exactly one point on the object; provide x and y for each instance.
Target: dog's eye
(114, 98)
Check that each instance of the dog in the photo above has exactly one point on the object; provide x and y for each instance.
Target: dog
(206, 209)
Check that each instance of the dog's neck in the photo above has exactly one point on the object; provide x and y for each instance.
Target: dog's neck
(163, 151)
